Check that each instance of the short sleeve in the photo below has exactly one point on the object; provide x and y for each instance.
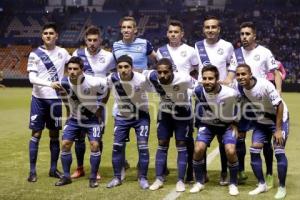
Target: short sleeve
(149, 48)
(272, 93)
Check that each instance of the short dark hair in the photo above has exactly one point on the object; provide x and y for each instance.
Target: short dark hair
(92, 30)
(209, 17)
(50, 25)
(211, 68)
(165, 61)
(245, 66)
(76, 60)
(125, 58)
(174, 22)
(248, 24)
(127, 18)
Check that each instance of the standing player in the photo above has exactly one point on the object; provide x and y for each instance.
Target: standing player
(82, 94)
(261, 61)
(216, 51)
(272, 120)
(217, 118)
(137, 48)
(174, 116)
(98, 63)
(131, 103)
(46, 68)
(184, 59)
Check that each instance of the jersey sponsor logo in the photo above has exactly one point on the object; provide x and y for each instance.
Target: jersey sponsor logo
(86, 91)
(176, 87)
(220, 51)
(256, 58)
(183, 53)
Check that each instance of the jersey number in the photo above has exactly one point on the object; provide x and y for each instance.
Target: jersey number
(144, 131)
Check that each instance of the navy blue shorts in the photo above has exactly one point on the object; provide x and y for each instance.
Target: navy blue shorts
(45, 111)
(206, 134)
(123, 126)
(167, 125)
(264, 132)
(74, 129)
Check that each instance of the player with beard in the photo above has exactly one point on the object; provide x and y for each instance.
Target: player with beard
(217, 115)
(261, 61)
(98, 63)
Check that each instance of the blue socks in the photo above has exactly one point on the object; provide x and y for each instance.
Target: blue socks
(282, 165)
(54, 150)
(95, 158)
(66, 160)
(160, 160)
(143, 160)
(199, 167)
(117, 159)
(33, 152)
(256, 164)
(181, 161)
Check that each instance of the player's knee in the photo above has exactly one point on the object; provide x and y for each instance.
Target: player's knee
(230, 152)
(257, 145)
(180, 143)
(94, 146)
(36, 134)
(241, 135)
(66, 145)
(199, 150)
(164, 143)
(53, 133)
(118, 147)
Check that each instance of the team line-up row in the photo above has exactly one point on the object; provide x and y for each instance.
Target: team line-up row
(213, 62)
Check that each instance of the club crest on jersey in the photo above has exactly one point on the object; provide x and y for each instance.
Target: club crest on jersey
(86, 91)
(258, 97)
(176, 88)
(102, 59)
(137, 88)
(220, 51)
(256, 57)
(59, 55)
(139, 48)
(183, 53)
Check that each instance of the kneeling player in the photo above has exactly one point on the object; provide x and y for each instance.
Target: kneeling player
(272, 120)
(217, 118)
(81, 99)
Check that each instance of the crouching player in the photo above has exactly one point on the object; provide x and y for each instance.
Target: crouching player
(217, 117)
(81, 93)
(271, 120)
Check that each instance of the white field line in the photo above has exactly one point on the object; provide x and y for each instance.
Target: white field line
(172, 195)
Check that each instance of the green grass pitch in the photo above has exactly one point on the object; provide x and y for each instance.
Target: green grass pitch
(14, 162)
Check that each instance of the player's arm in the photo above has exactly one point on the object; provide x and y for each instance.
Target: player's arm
(150, 52)
(64, 98)
(35, 80)
(278, 80)
(229, 78)
(279, 116)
